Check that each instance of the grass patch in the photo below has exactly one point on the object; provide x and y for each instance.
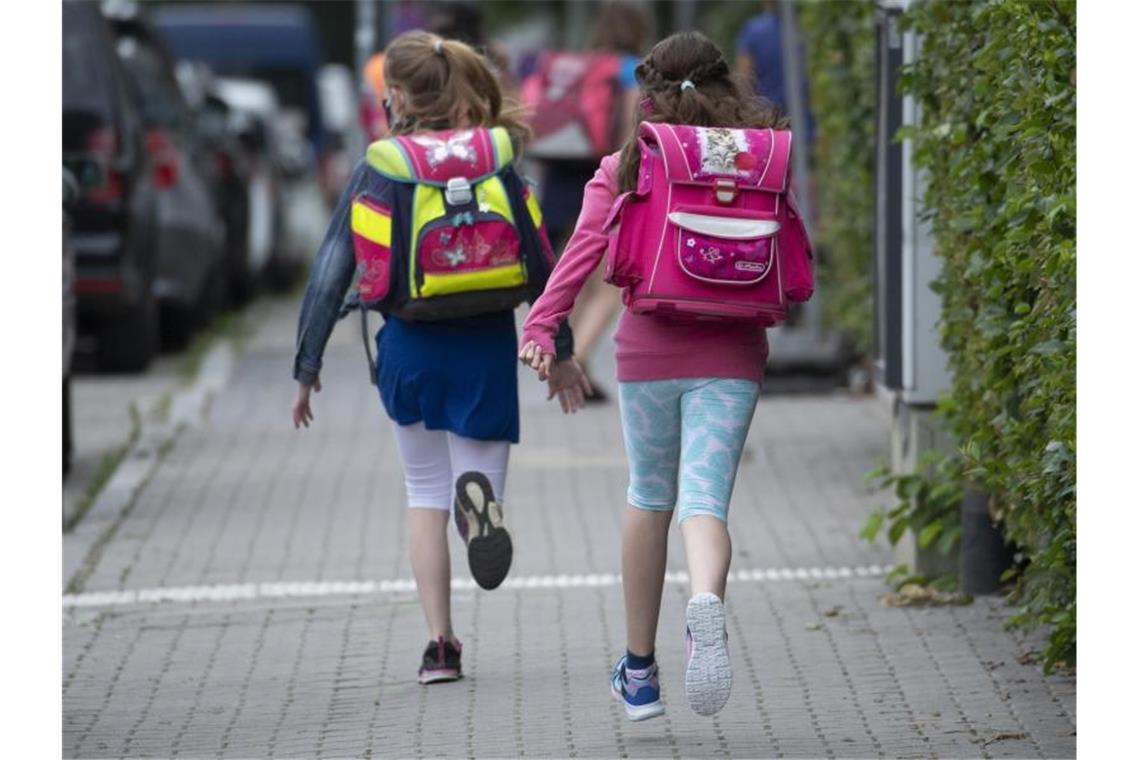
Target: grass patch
(103, 472)
(229, 325)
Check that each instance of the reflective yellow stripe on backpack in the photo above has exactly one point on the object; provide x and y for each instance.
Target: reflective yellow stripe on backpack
(371, 224)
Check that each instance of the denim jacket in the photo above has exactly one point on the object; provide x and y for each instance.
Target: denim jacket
(332, 274)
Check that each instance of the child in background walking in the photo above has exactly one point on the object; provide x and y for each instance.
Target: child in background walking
(621, 28)
(687, 392)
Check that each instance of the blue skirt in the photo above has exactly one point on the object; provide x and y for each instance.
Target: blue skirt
(458, 375)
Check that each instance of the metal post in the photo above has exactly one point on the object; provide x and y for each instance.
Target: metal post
(684, 15)
(576, 27)
(365, 37)
(797, 111)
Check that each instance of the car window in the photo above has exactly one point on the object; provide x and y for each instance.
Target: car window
(86, 79)
(150, 83)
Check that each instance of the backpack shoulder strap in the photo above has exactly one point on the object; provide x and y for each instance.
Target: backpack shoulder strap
(775, 177)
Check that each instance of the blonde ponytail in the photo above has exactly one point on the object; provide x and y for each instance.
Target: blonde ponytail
(448, 84)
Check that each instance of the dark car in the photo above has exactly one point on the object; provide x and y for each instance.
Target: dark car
(191, 277)
(277, 44)
(241, 142)
(114, 220)
(71, 193)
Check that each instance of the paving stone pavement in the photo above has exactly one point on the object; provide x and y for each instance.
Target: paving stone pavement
(822, 669)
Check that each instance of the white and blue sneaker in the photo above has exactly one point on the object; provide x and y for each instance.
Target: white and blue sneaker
(708, 675)
(638, 690)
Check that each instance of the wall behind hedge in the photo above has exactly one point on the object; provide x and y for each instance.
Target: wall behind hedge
(996, 83)
(839, 45)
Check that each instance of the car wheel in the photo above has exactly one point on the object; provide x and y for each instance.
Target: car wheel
(67, 439)
(178, 324)
(243, 286)
(242, 281)
(129, 343)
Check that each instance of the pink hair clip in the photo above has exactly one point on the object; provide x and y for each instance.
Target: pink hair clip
(646, 106)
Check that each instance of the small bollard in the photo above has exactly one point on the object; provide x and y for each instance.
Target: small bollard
(983, 555)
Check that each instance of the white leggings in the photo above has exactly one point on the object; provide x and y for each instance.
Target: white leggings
(433, 459)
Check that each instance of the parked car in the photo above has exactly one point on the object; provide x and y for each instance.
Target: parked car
(253, 115)
(191, 277)
(249, 190)
(277, 44)
(270, 42)
(114, 219)
(340, 106)
(71, 193)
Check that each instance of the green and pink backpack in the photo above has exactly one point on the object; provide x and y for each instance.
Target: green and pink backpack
(455, 231)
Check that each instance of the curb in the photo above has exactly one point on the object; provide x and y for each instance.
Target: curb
(157, 433)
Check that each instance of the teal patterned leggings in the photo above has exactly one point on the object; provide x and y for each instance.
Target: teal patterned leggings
(692, 427)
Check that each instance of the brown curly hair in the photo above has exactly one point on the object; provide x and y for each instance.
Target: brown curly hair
(447, 84)
(718, 98)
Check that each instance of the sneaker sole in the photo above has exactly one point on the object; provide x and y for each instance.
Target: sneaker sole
(638, 712)
(489, 547)
(708, 676)
(440, 676)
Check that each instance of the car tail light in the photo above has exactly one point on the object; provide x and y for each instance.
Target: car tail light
(102, 144)
(98, 286)
(225, 164)
(164, 155)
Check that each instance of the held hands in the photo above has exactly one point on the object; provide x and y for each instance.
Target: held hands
(564, 379)
(302, 413)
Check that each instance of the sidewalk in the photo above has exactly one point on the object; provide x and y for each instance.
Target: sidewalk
(260, 604)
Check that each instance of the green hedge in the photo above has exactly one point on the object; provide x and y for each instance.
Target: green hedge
(996, 84)
(839, 43)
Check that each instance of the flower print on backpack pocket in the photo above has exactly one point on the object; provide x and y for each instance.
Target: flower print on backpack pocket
(724, 250)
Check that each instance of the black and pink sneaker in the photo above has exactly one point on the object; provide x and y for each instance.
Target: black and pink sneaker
(479, 519)
(441, 662)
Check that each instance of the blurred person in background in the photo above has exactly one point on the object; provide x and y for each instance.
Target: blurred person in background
(618, 39)
(457, 20)
(372, 117)
(450, 385)
(760, 60)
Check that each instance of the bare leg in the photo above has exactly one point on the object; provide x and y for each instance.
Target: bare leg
(708, 550)
(431, 566)
(644, 545)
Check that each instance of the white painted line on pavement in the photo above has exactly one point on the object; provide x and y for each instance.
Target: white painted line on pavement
(298, 589)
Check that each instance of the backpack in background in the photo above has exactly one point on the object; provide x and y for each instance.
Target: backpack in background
(712, 231)
(456, 233)
(576, 99)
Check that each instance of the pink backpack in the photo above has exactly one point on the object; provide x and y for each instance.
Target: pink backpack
(712, 230)
(575, 101)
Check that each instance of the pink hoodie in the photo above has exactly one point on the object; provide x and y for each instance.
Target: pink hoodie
(648, 348)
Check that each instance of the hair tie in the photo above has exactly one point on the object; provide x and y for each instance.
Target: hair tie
(439, 47)
(687, 85)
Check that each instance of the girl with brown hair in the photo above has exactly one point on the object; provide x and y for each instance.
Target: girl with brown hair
(687, 391)
(450, 386)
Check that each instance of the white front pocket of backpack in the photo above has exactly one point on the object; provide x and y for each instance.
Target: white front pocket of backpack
(725, 250)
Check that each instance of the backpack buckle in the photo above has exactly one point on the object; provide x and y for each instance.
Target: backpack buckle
(725, 190)
(458, 191)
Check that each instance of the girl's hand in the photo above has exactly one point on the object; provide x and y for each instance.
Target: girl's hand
(532, 356)
(569, 382)
(302, 414)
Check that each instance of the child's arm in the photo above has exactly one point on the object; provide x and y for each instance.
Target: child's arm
(581, 257)
(329, 280)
